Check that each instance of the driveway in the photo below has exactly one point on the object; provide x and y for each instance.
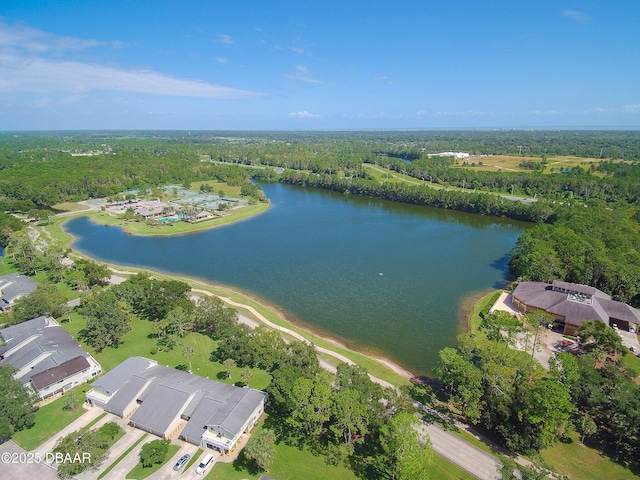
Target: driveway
(13, 468)
(127, 463)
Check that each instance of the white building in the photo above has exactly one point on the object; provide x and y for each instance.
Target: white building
(46, 358)
(169, 402)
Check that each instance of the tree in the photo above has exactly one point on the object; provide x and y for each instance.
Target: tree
(87, 449)
(311, 398)
(245, 375)
(538, 319)
(154, 452)
(596, 334)
(229, 364)
(213, 317)
(407, 456)
(46, 300)
(15, 404)
(586, 427)
(180, 322)
(107, 320)
(94, 273)
(188, 352)
(261, 448)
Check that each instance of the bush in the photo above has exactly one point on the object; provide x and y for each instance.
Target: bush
(154, 350)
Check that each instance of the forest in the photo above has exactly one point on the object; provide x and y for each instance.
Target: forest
(40, 170)
(584, 229)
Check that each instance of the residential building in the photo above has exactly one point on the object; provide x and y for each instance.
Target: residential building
(46, 358)
(169, 402)
(14, 286)
(572, 303)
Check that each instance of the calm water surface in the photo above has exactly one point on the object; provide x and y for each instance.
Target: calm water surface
(319, 255)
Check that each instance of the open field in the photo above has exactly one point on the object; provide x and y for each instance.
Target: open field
(511, 163)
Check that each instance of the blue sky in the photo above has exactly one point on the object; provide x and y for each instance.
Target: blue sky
(233, 64)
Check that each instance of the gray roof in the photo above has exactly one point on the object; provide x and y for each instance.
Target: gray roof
(13, 286)
(111, 381)
(165, 393)
(575, 310)
(60, 372)
(40, 337)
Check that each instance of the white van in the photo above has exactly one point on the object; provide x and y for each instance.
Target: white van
(206, 461)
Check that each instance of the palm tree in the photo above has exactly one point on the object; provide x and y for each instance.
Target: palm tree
(188, 352)
(228, 365)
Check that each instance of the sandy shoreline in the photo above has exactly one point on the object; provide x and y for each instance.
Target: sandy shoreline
(119, 270)
(397, 369)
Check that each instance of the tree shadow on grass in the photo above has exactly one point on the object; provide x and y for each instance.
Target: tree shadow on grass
(243, 464)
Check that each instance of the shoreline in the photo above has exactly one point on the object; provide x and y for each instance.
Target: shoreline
(102, 217)
(246, 299)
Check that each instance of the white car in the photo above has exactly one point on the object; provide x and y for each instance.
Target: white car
(206, 461)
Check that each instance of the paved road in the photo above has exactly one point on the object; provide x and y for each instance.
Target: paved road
(467, 456)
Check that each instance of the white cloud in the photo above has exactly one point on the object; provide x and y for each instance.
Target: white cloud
(632, 108)
(302, 74)
(366, 115)
(40, 103)
(304, 114)
(26, 67)
(224, 38)
(576, 16)
(38, 41)
(465, 113)
(221, 60)
(297, 50)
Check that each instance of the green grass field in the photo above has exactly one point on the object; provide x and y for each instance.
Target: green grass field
(578, 461)
(50, 419)
(140, 342)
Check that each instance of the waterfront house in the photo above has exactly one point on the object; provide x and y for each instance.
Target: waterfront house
(169, 403)
(572, 303)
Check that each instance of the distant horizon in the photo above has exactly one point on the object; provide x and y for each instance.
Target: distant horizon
(328, 130)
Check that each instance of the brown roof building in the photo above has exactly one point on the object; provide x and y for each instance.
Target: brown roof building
(572, 303)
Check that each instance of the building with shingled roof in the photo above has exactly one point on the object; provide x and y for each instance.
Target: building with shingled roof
(165, 401)
(46, 358)
(571, 304)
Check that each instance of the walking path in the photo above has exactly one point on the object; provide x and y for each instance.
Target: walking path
(467, 456)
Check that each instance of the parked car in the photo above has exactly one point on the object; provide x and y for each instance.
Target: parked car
(181, 462)
(206, 461)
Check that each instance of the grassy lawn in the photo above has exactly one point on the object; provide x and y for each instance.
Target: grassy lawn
(578, 461)
(290, 463)
(632, 364)
(139, 472)
(6, 267)
(50, 419)
(140, 342)
(69, 207)
(119, 459)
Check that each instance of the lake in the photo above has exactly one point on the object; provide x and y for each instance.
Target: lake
(387, 277)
